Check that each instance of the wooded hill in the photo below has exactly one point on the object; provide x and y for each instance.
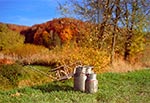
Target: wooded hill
(80, 36)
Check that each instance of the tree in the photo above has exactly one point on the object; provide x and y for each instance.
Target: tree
(9, 38)
(130, 15)
(96, 11)
(134, 14)
(115, 19)
(100, 12)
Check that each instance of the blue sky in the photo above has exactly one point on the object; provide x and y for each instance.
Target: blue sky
(28, 12)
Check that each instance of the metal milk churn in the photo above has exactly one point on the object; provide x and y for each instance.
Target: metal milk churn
(91, 83)
(79, 78)
(88, 69)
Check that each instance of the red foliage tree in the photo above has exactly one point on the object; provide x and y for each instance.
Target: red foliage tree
(66, 29)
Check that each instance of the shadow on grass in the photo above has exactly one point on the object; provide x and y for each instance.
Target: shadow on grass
(55, 86)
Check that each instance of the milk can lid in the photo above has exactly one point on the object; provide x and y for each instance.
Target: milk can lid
(91, 76)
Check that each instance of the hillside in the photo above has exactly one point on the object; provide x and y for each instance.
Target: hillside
(67, 40)
(51, 32)
(15, 27)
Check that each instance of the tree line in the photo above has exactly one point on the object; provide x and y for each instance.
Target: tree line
(131, 16)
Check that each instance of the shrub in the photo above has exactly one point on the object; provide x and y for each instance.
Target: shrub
(4, 83)
(9, 38)
(65, 55)
(6, 61)
(13, 73)
(87, 56)
(28, 50)
(28, 54)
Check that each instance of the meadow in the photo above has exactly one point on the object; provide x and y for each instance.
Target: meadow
(123, 81)
(131, 87)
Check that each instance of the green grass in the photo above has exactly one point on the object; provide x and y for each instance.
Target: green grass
(30, 76)
(132, 87)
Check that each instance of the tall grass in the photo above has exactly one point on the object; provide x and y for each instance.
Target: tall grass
(121, 66)
(146, 55)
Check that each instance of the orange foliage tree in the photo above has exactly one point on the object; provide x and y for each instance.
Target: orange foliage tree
(65, 29)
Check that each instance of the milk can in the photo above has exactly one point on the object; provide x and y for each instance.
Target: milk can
(91, 83)
(88, 69)
(79, 78)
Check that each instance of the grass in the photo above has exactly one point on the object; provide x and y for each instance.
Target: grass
(34, 77)
(132, 87)
(30, 76)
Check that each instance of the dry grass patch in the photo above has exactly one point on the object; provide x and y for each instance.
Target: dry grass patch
(121, 66)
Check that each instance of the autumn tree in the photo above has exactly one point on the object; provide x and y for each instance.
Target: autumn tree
(129, 15)
(133, 19)
(115, 19)
(56, 32)
(95, 11)
(100, 12)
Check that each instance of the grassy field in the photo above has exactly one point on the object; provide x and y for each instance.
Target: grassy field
(132, 87)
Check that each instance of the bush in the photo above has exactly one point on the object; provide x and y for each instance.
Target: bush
(65, 55)
(27, 54)
(4, 83)
(87, 56)
(9, 38)
(12, 73)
